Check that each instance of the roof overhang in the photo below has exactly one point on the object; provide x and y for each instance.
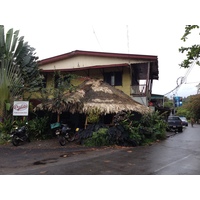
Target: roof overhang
(157, 96)
(91, 67)
(99, 54)
(86, 60)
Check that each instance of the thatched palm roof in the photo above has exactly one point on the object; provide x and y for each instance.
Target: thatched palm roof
(97, 95)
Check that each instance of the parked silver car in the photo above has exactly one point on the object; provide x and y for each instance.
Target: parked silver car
(184, 121)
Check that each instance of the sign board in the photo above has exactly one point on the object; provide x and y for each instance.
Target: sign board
(178, 101)
(20, 108)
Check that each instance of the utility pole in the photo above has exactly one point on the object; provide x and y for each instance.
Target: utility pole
(198, 88)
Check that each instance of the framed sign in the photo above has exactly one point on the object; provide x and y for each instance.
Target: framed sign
(20, 108)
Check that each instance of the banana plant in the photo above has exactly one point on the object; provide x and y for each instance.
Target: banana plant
(18, 68)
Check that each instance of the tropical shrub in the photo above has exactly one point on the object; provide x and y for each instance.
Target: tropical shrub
(154, 126)
(6, 125)
(93, 117)
(39, 128)
(128, 131)
(5, 129)
(99, 138)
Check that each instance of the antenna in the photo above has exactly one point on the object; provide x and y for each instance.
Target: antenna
(96, 37)
(127, 37)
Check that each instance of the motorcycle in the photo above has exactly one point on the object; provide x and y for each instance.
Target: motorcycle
(64, 133)
(20, 135)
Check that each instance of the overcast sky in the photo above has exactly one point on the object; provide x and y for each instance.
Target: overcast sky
(146, 27)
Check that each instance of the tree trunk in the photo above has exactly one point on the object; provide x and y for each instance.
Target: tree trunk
(58, 117)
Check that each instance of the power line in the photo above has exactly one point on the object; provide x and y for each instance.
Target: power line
(192, 82)
(183, 79)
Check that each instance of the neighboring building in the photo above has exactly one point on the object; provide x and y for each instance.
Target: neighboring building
(156, 103)
(131, 73)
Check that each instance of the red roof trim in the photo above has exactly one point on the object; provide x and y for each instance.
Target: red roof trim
(93, 53)
(90, 67)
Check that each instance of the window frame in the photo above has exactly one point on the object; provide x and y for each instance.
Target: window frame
(113, 78)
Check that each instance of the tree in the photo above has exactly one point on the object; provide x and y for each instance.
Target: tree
(18, 68)
(168, 102)
(192, 56)
(193, 52)
(193, 106)
(54, 97)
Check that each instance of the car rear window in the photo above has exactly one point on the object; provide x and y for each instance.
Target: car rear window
(183, 118)
(173, 118)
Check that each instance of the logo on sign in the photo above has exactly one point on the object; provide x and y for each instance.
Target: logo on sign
(20, 107)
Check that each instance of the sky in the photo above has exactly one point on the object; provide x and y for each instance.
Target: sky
(144, 27)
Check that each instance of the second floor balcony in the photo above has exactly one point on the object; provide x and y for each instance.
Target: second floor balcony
(140, 90)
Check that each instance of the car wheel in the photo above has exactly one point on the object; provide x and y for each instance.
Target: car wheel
(180, 130)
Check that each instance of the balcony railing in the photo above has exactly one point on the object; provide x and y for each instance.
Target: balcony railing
(138, 90)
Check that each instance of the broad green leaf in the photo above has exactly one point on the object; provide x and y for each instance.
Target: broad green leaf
(2, 39)
(9, 36)
(18, 69)
(15, 38)
(19, 48)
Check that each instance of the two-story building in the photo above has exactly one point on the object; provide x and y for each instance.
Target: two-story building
(131, 73)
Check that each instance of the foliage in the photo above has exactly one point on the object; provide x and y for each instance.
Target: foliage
(6, 126)
(153, 125)
(93, 116)
(5, 129)
(128, 131)
(4, 138)
(39, 127)
(129, 127)
(168, 103)
(193, 106)
(183, 111)
(193, 52)
(60, 86)
(99, 138)
(18, 68)
(149, 126)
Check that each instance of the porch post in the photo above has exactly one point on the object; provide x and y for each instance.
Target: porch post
(147, 83)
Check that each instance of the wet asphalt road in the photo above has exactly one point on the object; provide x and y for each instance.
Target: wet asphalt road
(177, 155)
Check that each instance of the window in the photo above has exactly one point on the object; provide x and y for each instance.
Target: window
(113, 78)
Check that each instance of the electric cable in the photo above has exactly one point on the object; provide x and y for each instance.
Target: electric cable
(183, 79)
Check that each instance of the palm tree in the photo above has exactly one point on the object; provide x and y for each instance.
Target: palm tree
(18, 68)
(53, 98)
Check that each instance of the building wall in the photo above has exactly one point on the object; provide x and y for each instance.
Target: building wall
(86, 61)
(126, 81)
(94, 67)
(142, 100)
(98, 74)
